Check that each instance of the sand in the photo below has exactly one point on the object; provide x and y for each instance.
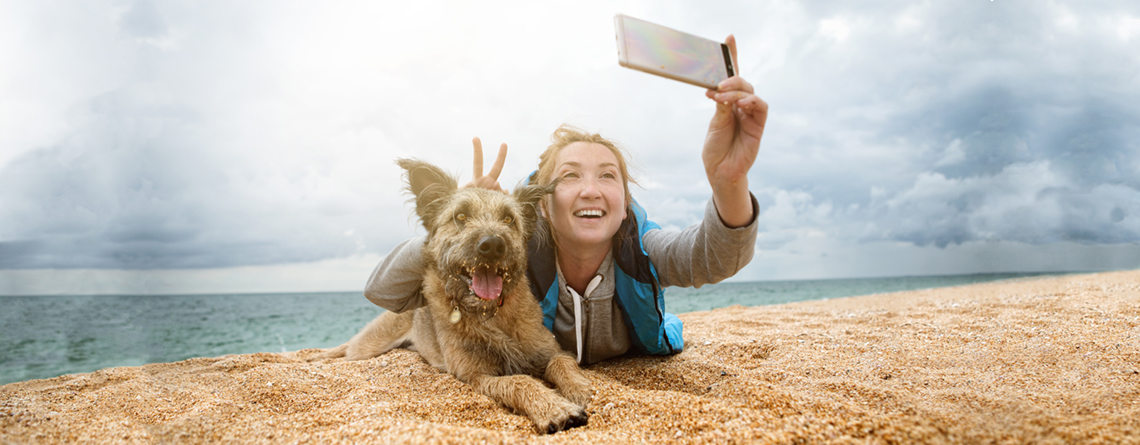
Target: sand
(1049, 360)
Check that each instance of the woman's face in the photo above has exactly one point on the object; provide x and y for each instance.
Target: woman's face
(588, 206)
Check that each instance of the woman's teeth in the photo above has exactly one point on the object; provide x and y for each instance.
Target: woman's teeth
(590, 213)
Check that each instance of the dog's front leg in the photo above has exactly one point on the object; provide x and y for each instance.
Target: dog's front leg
(549, 411)
(571, 382)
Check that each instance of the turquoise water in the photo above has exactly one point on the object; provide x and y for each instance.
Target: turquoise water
(48, 336)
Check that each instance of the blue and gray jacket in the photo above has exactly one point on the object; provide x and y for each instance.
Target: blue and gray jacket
(642, 300)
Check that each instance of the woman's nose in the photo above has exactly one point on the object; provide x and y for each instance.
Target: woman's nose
(590, 188)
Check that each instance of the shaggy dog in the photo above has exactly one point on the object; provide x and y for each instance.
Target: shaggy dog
(481, 323)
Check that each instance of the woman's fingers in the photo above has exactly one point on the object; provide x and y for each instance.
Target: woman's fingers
(496, 168)
(491, 180)
(751, 103)
(731, 42)
(737, 97)
(478, 157)
(734, 83)
(501, 159)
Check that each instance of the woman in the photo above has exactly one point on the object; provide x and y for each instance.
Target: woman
(600, 281)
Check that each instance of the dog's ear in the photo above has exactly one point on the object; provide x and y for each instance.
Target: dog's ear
(530, 197)
(429, 184)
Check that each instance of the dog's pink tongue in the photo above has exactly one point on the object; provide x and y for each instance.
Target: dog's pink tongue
(486, 284)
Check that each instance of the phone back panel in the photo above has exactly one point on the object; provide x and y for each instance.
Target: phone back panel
(670, 53)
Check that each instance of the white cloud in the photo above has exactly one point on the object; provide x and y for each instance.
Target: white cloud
(1127, 28)
(835, 28)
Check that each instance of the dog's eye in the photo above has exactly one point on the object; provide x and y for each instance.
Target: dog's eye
(508, 220)
(460, 217)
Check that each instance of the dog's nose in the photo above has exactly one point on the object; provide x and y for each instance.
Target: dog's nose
(492, 247)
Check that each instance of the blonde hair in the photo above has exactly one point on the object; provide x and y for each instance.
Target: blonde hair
(566, 135)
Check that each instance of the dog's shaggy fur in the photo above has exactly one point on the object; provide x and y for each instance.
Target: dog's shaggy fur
(475, 238)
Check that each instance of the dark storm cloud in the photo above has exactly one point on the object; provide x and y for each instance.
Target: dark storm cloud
(136, 187)
(1098, 143)
(1027, 203)
(980, 121)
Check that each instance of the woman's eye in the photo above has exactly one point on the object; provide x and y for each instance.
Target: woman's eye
(570, 175)
(609, 175)
(460, 217)
(508, 220)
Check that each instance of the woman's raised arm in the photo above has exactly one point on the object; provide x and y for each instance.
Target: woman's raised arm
(732, 144)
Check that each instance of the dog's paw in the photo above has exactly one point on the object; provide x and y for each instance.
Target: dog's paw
(571, 416)
(569, 380)
(580, 418)
(578, 394)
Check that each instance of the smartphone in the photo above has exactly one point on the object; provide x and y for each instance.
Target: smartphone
(666, 52)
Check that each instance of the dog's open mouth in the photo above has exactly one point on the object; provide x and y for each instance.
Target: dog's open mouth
(485, 282)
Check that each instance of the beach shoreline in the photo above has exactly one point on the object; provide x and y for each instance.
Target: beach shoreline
(1050, 359)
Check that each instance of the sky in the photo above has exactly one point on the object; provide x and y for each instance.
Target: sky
(170, 147)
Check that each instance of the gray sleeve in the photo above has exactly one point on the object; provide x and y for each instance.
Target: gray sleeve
(395, 283)
(703, 253)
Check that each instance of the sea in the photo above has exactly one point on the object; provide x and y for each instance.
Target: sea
(48, 336)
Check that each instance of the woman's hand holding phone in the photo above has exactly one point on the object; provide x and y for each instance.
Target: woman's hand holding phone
(732, 144)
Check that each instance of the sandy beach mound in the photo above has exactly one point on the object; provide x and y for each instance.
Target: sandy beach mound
(1053, 360)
